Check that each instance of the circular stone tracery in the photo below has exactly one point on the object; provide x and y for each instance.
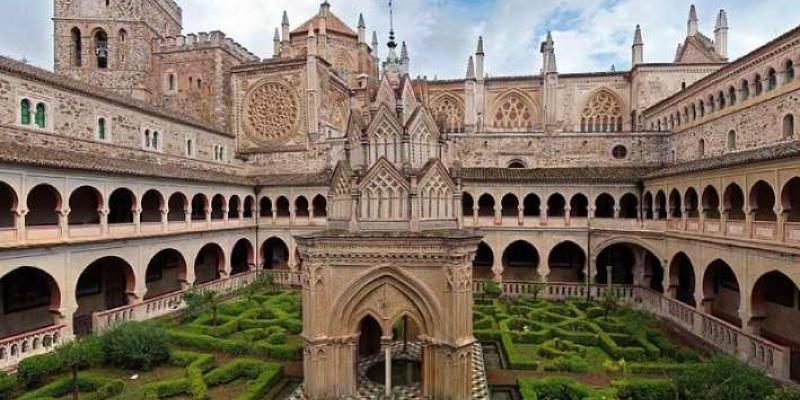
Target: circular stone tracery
(271, 111)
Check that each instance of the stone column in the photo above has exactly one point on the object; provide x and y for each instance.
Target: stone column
(520, 215)
(292, 214)
(164, 219)
(498, 214)
(780, 222)
(749, 216)
(137, 220)
(225, 216)
(387, 384)
(63, 223)
(19, 217)
(723, 219)
(497, 269)
(208, 216)
(567, 215)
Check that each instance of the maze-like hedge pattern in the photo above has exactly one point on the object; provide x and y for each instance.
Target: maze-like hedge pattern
(263, 325)
(576, 336)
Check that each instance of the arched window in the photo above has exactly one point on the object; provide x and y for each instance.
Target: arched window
(170, 82)
(759, 85)
(513, 112)
(701, 148)
(101, 48)
(744, 89)
(702, 108)
(449, 114)
(772, 79)
(788, 126)
(602, 113)
(788, 71)
(123, 35)
(731, 95)
(102, 129)
(76, 47)
(721, 100)
(189, 148)
(41, 115)
(155, 140)
(732, 140)
(516, 164)
(147, 139)
(25, 112)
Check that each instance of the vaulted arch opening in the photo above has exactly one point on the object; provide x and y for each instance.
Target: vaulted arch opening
(467, 205)
(242, 257)
(721, 294)
(775, 308)
(617, 263)
(8, 206)
(265, 207)
(531, 206)
(217, 207)
(509, 205)
(647, 205)
(120, 206)
(166, 273)
(177, 207)
(711, 203)
(44, 204)
(567, 263)
(579, 206)
(520, 262)
(486, 206)
(301, 207)
(682, 279)
(199, 207)
(85, 204)
(282, 207)
(483, 262)
(320, 206)
(152, 204)
(734, 202)
(661, 205)
(30, 299)
(249, 204)
(675, 204)
(604, 206)
(556, 205)
(692, 206)
(629, 206)
(275, 254)
(762, 202)
(790, 199)
(234, 207)
(209, 265)
(105, 284)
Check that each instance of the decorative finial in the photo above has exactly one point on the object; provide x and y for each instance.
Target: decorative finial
(637, 36)
(471, 68)
(480, 46)
(285, 18)
(392, 44)
(361, 24)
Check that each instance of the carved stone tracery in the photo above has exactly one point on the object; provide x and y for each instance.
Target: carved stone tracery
(272, 111)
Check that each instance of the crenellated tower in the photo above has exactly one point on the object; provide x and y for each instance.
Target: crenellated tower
(109, 43)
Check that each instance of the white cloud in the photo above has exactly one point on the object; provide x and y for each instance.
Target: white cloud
(590, 35)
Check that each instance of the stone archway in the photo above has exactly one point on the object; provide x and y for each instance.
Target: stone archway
(341, 292)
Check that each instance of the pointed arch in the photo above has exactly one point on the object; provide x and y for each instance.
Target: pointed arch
(602, 112)
(424, 137)
(352, 305)
(514, 110)
(436, 190)
(449, 112)
(385, 137)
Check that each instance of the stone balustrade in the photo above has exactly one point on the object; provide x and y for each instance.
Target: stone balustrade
(16, 348)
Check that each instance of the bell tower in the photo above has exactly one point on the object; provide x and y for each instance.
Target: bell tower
(108, 43)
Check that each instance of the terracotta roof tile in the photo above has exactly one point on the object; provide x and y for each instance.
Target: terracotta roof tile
(554, 175)
(332, 24)
(768, 153)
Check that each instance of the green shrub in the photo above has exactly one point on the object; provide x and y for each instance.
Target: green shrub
(785, 394)
(645, 389)
(556, 388)
(86, 383)
(166, 389)
(723, 378)
(135, 346)
(256, 391)
(6, 386)
(32, 371)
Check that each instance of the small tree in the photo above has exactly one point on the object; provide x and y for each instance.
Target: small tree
(198, 302)
(609, 302)
(77, 355)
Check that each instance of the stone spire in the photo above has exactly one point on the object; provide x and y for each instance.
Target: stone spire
(324, 8)
(362, 29)
(721, 34)
(692, 26)
(638, 47)
(548, 51)
(678, 52)
(276, 43)
(285, 26)
(312, 43)
(404, 53)
(375, 44)
(479, 57)
(471, 69)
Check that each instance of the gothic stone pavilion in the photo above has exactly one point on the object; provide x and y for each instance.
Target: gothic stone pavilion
(153, 160)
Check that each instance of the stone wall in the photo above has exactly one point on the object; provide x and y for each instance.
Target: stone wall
(74, 114)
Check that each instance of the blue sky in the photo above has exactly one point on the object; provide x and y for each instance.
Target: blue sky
(590, 35)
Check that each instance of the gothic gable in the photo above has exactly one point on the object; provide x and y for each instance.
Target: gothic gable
(384, 193)
(409, 100)
(436, 191)
(385, 137)
(386, 95)
(423, 137)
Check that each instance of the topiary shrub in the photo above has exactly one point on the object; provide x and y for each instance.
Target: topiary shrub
(785, 394)
(645, 389)
(553, 389)
(6, 386)
(723, 378)
(135, 346)
(32, 371)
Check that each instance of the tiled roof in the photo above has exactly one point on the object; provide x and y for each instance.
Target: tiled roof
(332, 24)
(58, 158)
(319, 179)
(769, 153)
(555, 175)
(27, 71)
